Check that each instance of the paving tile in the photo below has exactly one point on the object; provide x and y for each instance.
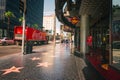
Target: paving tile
(46, 63)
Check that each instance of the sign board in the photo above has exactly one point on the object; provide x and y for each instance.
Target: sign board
(74, 20)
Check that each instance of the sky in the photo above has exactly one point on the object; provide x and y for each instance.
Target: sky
(116, 2)
(49, 8)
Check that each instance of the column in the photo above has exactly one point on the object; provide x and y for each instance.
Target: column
(84, 31)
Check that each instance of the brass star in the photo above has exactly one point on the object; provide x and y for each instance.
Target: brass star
(53, 56)
(44, 53)
(43, 64)
(115, 62)
(12, 69)
(35, 58)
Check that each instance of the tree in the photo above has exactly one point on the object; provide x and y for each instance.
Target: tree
(21, 20)
(115, 7)
(35, 26)
(8, 15)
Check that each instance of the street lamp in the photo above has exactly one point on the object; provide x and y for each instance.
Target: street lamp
(54, 29)
(23, 33)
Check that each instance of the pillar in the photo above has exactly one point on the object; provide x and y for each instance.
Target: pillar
(84, 31)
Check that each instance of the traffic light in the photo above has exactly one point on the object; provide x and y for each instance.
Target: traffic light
(21, 5)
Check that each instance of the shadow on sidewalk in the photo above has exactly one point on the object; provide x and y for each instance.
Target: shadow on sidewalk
(90, 73)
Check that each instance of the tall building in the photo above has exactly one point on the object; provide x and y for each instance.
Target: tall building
(49, 22)
(34, 14)
(8, 5)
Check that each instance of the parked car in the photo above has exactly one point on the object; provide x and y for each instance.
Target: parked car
(6, 41)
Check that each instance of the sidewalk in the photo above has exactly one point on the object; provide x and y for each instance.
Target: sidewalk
(45, 63)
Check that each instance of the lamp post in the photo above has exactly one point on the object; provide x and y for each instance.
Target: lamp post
(54, 28)
(23, 33)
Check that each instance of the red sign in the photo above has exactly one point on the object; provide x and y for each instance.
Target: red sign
(89, 40)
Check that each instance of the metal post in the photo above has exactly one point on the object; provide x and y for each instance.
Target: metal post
(61, 33)
(110, 37)
(23, 33)
(54, 29)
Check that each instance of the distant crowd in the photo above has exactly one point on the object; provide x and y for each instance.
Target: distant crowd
(65, 41)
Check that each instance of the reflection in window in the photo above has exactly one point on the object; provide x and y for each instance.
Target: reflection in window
(116, 33)
(2, 9)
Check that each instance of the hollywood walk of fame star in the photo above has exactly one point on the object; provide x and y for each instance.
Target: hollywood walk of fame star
(12, 69)
(43, 64)
(115, 62)
(44, 53)
(35, 58)
(53, 56)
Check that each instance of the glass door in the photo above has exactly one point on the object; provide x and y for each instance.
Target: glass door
(116, 33)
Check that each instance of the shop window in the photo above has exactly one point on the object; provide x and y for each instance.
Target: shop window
(116, 33)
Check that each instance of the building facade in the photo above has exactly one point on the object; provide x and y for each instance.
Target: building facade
(7, 5)
(49, 23)
(34, 14)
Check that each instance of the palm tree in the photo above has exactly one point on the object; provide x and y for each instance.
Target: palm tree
(8, 15)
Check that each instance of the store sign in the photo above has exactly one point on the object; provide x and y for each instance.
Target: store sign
(74, 20)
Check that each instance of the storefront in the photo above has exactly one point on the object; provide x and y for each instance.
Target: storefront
(115, 34)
